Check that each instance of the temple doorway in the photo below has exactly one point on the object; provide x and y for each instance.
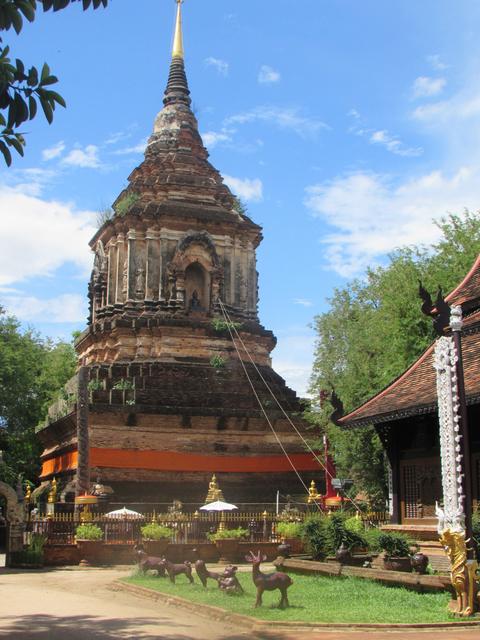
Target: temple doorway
(197, 288)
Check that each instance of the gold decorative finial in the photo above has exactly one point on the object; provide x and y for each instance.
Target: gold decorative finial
(177, 51)
(52, 494)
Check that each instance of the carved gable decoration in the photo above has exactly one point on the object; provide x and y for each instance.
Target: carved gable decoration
(196, 247)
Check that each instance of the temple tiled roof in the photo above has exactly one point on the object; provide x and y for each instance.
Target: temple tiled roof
(414, 391)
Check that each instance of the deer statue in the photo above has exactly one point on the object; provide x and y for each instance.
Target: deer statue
(174, 570)
(202, 572)
(268, 581)
(229, 582)
(146, 562)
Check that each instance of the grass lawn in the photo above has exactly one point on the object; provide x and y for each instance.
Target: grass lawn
(315, 599)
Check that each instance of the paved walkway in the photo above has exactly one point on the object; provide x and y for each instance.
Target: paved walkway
(81, 605)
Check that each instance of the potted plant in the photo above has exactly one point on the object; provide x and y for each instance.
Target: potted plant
(396, 548)
(290, 533)
(31, 556)
(156, 537)
(89, 538)
(341, 540)
(227, 542)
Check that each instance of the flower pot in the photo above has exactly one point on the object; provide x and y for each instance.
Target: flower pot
(296, 545)
(419, 562)
(156, 548)
(343, 554)
(90, 552)
(397, 564)
(227, 549)
(284, 549)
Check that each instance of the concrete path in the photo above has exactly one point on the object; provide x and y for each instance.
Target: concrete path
(76, 604)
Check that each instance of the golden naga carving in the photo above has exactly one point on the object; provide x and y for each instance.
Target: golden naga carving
(463, 572)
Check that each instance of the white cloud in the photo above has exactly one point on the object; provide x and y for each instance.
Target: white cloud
(30, 181)
(246, 189)
(136, 149)
(284, 118)
(54, 152)
(436, 62)
(372, 215)
(267, 75)
(381, 137)
(38, 236)
(212, 138)
(462, 106)
(220, 65)
(118, 136)
(393, 144)
(425, 87)
(296, 370)
(304, 302)
(87, 157)
(64, 308)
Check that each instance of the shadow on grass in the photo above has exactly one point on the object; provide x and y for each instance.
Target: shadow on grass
(47, 627)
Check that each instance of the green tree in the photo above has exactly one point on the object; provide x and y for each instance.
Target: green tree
(22, 89)
(374, 330)
(32, 371)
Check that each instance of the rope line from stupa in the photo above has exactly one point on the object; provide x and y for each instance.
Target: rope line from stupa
(231, 325)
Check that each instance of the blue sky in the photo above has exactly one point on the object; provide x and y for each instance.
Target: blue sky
(346, 126)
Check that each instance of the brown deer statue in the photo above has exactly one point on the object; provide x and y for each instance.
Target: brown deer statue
(202, 572)
(146, 562)
(268, 581)
(174, 570)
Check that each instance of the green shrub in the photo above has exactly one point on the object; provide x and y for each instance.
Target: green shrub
(154, 531)
(123, 385)
(27, 556)
(88, 531)
(217, 362)
(314, 534)
(224, 325)
(228, 534)
(395, 545)
(476, 530)
(372, 538)
(338, 534)
(124, 205)
(289, 529)
(355, 525)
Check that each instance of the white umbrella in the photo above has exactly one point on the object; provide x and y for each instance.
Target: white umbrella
(218, 505)
(124, 513)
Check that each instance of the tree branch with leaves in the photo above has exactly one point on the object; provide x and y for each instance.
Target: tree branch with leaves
(22, 90)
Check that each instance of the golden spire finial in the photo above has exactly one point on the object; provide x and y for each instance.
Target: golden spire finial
(177, 51)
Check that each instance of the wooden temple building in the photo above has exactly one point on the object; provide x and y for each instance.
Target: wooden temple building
(169, 400)
(405, 415)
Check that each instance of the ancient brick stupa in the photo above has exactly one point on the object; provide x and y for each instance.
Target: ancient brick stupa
(169, 399)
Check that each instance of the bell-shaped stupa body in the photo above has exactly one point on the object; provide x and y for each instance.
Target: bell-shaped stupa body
(170, 402)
